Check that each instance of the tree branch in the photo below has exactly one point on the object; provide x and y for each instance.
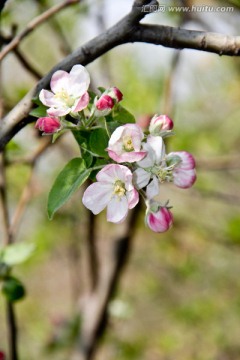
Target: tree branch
(33, 24)
(187, 39)
(126, 30)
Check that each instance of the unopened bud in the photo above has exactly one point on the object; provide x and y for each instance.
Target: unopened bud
(160, 123)
(48, 125)
(159, 219)
(115, 93)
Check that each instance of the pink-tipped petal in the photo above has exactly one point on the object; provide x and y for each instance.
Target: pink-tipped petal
(82, 103)
(187, 160)
(184, 178)
(132, 198)
(127, 156)
(59, 81)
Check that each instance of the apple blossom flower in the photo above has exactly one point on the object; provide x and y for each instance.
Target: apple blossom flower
(158, 218)
(48, 125)
(69, 92)
(125, 144)
(151, 166)
(160, 123)
(114, 190)
(184, 173)
(115, 93)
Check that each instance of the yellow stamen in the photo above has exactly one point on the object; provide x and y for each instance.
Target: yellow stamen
(63, 95)
(119, 189)
(128, 144)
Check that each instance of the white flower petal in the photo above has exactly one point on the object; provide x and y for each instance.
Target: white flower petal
(115, 137)
(48, 98)
(149, 159)
(97, 196)
(157, 146)
(59, 81)
(117, 209)
(79, 81)
(153, 188)
(113, 172)
(141, 178)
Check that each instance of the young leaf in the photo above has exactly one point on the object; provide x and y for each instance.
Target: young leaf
(40, 111)
(123, 116)
(98, 142)
(16, 253)
(13, 289)
(82, 138)
(68, 181)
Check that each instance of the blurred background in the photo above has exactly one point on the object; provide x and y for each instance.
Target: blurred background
(179, 298)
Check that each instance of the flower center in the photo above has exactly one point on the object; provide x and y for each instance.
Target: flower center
(65, 97)
(119, 188)
(128, 144)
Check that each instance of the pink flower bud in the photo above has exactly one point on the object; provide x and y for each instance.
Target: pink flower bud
(105, 102)
(184, 173)
(160, 123)
(115, 93)
(2, 355)
(160, 220)
(48, 125)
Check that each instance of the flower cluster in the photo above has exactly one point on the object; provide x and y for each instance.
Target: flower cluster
(131, 162)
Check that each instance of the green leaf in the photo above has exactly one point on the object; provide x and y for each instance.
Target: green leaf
(101, 89)
(16, 253)
(68, 181)
(40, 111)
(123, 116)
(13, 289)
(98, 142)
(82, 138)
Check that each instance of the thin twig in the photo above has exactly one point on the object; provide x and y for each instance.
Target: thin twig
(12, 331)
(65, 47)
(26, 64)
(35, 23)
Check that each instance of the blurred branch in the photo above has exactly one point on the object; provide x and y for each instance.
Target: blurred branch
(65, 47)
(95, 310)
(92, 252)
(35, 23)
(126, 30)
(26, 64)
